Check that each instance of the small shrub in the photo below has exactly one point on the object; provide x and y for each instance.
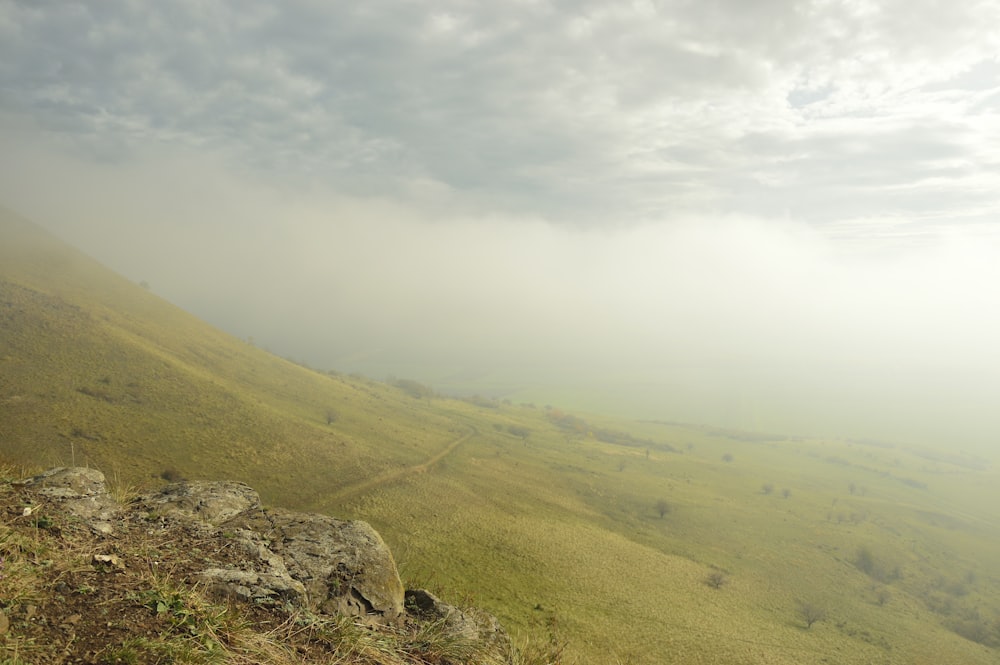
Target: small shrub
(716, 579)
(172, 475)
(663, 507)
(120, 490)
(519, 430)
(810, 612)
(413, 388)
(864, 560)
(883, 572)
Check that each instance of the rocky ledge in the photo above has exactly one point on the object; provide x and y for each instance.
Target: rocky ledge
(266, 558)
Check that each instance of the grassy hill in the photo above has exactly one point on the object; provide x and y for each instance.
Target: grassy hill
(95, 369)
(607, 536)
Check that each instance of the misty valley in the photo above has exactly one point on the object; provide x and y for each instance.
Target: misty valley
(591, 537)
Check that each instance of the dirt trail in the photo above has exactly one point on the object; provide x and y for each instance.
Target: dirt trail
(392, 476)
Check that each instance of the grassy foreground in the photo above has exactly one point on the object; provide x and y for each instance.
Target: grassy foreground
(599, 540)
(73, 596)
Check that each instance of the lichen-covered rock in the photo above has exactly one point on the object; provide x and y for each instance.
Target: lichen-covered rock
(263, 580)
(322, 563)
(292, 559)
(473, 625)
(424, 605)
(261, 588)
(345, 566)
(84, 493)
(209, 502)
(68, 483)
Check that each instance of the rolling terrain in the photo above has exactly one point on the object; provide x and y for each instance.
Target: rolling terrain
(615, 540)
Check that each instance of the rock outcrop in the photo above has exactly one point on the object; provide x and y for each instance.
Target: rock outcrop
(131, 580)
(282, 558)
(472, 625)
(84, 493)
(344, 566)
(212, 503)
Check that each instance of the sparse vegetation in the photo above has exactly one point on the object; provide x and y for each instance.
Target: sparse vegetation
(412, 388)
(810, 612)
(663, 507)
(171, 475)
(865, 561)
(519, 431)
(716, 579)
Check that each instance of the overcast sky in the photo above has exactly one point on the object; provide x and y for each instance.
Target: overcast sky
(764, 213)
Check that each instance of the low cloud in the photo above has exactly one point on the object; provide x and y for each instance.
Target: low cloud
(776, 215)
(735, 320)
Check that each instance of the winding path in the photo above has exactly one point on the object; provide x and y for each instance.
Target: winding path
(392, 476)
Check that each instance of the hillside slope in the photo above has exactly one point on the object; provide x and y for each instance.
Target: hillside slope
(605, 540)
(94, 369)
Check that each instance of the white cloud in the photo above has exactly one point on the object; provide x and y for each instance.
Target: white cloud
(604, 109)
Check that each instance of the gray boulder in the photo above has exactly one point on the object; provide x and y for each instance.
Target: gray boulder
(345, 566)
(471, 626)
(83, 492)
(209, 502)
(290, 559)
(322, 563)
(270, 589)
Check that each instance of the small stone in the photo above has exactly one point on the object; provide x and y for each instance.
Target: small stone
(103, 528)
(109, 559)
(4, 623)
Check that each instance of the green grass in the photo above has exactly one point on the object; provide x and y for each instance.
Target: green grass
(555, 533)
(94, 370)
(558, 533)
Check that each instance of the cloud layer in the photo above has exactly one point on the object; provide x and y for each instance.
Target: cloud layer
(583, 112)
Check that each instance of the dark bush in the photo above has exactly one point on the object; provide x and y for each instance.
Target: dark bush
(172, 475)
(715, 579)
(810, 612)
(663, 507)
(414, 388)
